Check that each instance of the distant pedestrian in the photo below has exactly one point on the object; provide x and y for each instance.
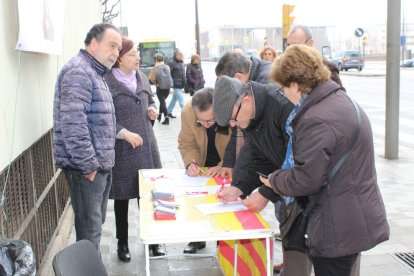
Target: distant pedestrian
(178, 76)
(136, 146)
(160, 75)
(84, 129)
(268, 53)
(194, 75)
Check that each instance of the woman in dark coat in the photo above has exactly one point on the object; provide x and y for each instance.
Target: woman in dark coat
(349, 216)
(194, 75)
(136, 146)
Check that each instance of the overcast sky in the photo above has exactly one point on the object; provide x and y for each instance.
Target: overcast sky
(176, 18)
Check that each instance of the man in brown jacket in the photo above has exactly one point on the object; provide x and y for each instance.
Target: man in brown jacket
(201, 142)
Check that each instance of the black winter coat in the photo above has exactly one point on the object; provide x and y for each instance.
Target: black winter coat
(267, 140)
(177, 73)
(259, 70)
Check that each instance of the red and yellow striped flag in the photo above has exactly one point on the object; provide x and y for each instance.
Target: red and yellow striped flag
(251, 257)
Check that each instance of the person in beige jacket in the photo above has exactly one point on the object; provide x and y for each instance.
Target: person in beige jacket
(201, 142)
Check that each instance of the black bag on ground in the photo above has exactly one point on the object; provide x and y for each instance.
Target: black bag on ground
(16, 258)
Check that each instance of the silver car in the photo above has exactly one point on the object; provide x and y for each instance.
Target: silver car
(348, 59)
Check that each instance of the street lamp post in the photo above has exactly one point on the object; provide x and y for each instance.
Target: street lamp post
(197, 30)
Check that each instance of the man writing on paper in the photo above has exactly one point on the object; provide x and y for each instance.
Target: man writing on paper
(201, 141)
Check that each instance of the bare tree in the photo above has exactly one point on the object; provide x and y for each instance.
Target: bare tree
(110, 10)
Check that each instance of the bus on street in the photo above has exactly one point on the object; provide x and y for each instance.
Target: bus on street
(149, 47)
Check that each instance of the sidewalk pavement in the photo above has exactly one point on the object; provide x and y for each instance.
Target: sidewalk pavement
(397, 188)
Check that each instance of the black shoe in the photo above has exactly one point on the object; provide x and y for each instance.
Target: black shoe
(171, 116)
(192, 247)
(157, 250)
(123, 253)
(159, 117)
(166, 121)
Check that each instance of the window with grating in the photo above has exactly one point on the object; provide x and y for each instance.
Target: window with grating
(33, 204)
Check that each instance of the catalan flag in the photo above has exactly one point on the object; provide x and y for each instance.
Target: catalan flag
(251, 254)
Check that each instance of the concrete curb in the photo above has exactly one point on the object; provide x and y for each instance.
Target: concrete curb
(58, 241)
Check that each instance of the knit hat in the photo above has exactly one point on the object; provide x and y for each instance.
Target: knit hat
(226, 94)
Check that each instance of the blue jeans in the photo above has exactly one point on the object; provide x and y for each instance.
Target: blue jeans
(177, 95)
(89, 202)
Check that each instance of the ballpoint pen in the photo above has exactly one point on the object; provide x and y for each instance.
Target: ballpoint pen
(221, 188)
(195, 162)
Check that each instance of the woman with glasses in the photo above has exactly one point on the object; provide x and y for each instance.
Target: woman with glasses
(325, 126)
(136, 146)
(201, 142)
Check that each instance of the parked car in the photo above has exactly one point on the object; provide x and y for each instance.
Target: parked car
(408, 63)
(348, 59)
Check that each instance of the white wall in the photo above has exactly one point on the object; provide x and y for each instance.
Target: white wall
(38, 73)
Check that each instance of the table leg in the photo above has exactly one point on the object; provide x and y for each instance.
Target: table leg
(269, 262)
(236, 253)
(147, 264)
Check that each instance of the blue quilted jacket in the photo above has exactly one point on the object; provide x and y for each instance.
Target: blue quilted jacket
(83, 117)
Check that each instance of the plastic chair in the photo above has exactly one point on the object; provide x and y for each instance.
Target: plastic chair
(79, 259)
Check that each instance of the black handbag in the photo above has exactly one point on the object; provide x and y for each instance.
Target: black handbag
(296, 215)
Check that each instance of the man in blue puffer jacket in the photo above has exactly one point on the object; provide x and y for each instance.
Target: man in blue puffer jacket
(84, 129)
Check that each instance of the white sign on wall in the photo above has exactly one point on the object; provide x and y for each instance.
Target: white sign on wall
(40, 26)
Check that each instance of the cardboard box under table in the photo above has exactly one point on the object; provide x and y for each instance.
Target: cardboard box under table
(243, 232)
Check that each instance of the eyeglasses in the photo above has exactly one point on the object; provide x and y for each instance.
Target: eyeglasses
(206, 122)
(233, 122)
(133, 55)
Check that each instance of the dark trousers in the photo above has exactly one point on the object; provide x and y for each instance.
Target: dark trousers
(89, 201)
(121, 220)
(340, 266)
(162, 95)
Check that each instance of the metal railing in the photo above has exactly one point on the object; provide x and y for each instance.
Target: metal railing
(35, 197)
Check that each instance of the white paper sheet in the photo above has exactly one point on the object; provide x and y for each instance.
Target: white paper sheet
(217, 208)
(174, 177)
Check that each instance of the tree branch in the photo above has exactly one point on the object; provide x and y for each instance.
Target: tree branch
(109, 14)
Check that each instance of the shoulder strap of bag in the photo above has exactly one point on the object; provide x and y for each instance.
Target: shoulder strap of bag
(341, 160)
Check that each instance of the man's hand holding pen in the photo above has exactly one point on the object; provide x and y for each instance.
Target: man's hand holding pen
(228, 194)
(194, 169)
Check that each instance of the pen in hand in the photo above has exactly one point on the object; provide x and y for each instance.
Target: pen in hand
(195, 162)
(221, 188)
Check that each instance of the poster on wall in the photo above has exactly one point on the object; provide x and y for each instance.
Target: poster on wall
(40, 26)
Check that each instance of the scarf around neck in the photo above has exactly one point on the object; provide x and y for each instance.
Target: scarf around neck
(289, 161)
(129, 80)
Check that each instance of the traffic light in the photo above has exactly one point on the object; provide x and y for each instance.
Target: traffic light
(287, 20)
(364, 40)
